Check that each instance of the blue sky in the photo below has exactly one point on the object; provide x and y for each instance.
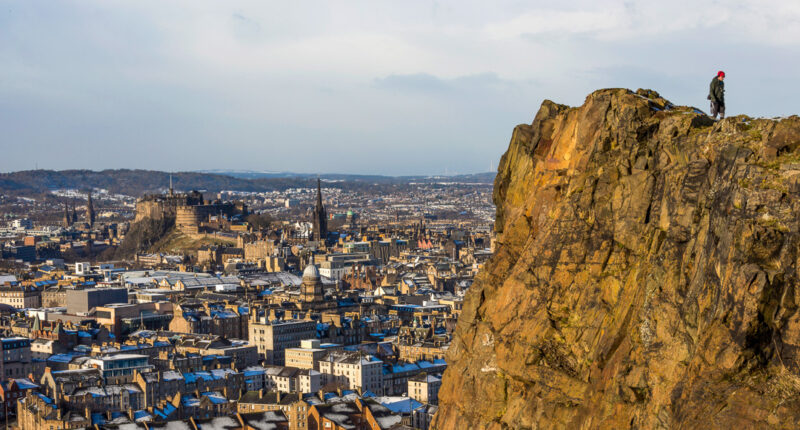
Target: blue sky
(386, 87)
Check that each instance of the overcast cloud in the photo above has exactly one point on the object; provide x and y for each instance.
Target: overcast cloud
(389, 87)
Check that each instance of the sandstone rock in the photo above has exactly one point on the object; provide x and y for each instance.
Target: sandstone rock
(646, 275)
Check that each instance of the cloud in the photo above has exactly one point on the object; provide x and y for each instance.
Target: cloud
(364, 86)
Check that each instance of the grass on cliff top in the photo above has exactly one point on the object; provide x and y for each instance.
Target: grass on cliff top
(175, 241)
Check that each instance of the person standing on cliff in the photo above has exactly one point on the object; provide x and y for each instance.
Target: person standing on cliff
(716, 94)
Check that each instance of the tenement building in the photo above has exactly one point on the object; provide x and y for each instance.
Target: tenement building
(272, 336)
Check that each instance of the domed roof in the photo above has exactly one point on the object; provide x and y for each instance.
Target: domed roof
(350, 213)
(311, 272)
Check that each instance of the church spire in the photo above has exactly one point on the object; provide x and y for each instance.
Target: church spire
(67, 221)
(90, 217)
(320, 218)
(319, 193)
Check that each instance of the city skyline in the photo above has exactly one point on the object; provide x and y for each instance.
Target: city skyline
(363, 87)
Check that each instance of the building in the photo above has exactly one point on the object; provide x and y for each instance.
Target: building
(424, 388)
(396, 375)
(158, 385)
(124, 318)
(292, 405)
(39, 412)
(25, 253)
(273, 336)
(311, 292)
(16, 361)
(120, 367)
(82, 301)
(56, 383)
(307, 356)
(209, 319)
(160, 206)
(354, 369)
(422, 416)
(21, 297)
(292, 379)
(242, 354)
(350, 415)
(11, 390)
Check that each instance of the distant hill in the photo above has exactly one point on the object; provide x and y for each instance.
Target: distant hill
(486, 177)
(138, 182)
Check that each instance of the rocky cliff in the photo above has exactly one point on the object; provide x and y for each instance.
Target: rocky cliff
(645, 275)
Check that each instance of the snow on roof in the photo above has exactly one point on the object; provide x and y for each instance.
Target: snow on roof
(398, 404)
(219, 423)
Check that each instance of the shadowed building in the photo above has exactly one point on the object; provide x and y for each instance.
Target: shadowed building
(319, 219)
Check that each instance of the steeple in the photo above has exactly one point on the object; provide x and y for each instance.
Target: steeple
(171, 191)
(67, 221)
(319, 194)
(89, 210)
(319, 218)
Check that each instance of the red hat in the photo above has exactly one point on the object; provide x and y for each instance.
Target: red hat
(721, 74)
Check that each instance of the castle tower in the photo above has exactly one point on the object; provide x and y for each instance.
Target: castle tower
(89, 210)
(319, 219)
(311, 290)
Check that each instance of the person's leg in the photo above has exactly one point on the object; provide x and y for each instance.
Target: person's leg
(721, 110)
(713, 110)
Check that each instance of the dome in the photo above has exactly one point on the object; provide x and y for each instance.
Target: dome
(350, 213)
(311, 272)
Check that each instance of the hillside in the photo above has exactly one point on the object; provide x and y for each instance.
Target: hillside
(138, 182)
(645, 275)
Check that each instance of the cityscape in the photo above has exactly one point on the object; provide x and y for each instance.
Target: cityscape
(399, 215)
(316, 306)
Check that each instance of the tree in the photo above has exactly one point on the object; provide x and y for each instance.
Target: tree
(259, 221)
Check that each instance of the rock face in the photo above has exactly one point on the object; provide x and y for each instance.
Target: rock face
(646, 275)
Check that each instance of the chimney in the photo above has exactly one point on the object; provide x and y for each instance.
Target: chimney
(278, 396)
(87, 411)
(261, 393)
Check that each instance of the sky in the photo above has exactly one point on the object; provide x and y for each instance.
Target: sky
(363, 86)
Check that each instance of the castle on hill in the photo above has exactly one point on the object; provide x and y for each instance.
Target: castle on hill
(190, 210)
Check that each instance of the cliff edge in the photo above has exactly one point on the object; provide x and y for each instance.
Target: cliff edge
(645, 275)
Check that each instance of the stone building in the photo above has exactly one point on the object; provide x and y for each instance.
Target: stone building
(424, 387)
(159, 206)
(307, 356)
(292, 404)
(21, 296)
(39, 412)
(272, 336)
(203, 318)
(16, 358)
(354, 369)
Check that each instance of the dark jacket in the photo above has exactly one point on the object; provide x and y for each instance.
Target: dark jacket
(716, 91)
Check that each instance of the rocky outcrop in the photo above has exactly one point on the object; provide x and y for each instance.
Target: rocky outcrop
(645, 275)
